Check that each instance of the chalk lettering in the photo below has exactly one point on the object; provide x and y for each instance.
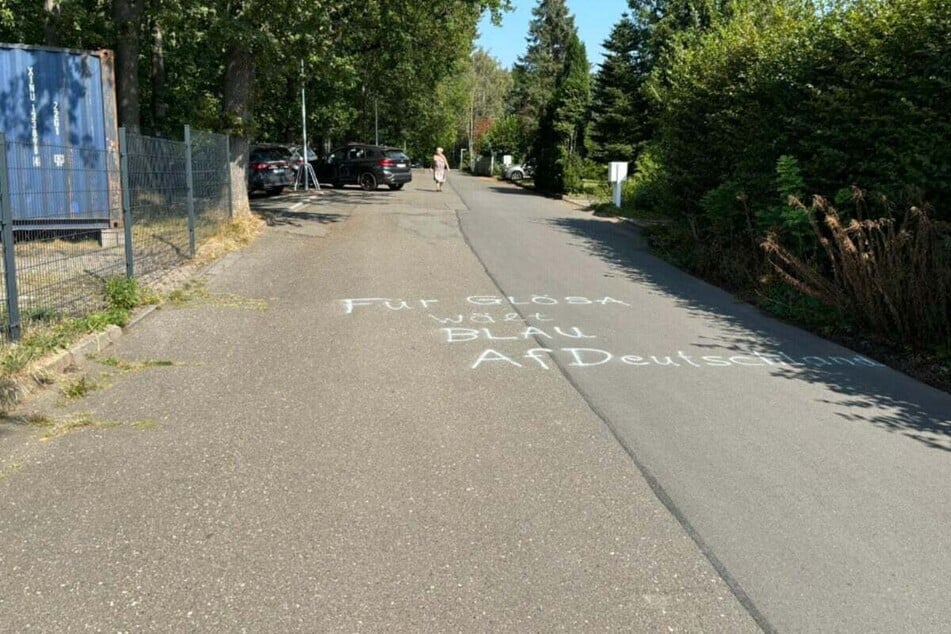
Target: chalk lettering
(513, 317)
(460, 334)
(401, 305)
(484, 300)
(742, 360)
(540, 317)
(533, 355)
(540, 300)
(582, 356)
(482, 318)
(448, 320)
(492, 355)
(788, 359)
(715, 361)
(817, 360)
(769, 359)
(350, 304)
(491, 337)
(680, 353)
(611, 300)
(575, 334)
(532, 331)
(634, 360)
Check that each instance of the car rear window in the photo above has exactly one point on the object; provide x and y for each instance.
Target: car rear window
(269, 154)
(396, 155)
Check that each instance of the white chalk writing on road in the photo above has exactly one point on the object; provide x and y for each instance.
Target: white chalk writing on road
(537, 326)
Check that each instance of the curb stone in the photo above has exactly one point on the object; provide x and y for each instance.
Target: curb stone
(64, 361)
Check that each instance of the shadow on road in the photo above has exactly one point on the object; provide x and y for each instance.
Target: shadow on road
(884, 396)
(281, 217)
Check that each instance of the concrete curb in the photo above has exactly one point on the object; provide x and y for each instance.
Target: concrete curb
(36, 376)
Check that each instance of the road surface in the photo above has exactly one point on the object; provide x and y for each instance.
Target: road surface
(475, 410)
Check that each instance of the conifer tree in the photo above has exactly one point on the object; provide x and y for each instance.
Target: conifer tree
(560, 140)
(620, 112)
(535, 73)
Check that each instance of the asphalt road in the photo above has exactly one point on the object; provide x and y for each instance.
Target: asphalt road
(475, 410)
(816, 480)
(299, 445)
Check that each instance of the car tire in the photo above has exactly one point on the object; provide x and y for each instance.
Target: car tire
(274, 191)
(516, 176)
(396, 186)
(368, 181)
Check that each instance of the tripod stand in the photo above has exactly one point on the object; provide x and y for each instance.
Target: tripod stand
(306, 174)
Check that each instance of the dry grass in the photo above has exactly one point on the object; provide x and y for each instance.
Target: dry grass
(891, 275)
(232, 236)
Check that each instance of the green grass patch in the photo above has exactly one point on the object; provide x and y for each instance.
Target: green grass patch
(78, 388)
(80, 423)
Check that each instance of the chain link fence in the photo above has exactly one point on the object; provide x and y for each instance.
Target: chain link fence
(71, 218)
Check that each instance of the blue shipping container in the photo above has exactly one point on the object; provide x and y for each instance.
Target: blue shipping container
(59, 117)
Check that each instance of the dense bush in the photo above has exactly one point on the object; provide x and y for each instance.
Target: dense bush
(858, 96)
(779, 100)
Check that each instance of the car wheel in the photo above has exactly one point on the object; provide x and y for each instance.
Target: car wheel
(368, 181)
(397, 186)
(516, 176)
(274, 191)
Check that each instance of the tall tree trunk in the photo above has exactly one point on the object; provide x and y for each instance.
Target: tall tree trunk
(128, 17)
(52, 12)
(157, 75)
(239, 82)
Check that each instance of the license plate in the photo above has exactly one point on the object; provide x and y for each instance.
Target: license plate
(401, 164)
(277, 170)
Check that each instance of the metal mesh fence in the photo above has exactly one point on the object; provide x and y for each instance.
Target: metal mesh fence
(63, 204)
(158, 197)
(65, 232)
(211, 182)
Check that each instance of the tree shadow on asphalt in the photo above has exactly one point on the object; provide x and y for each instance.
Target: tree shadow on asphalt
(284, 217)
(869, 395)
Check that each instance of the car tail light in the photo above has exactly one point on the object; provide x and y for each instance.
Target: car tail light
(387, 162)
(258, 167)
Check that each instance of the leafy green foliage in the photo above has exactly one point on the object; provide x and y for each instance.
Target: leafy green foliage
(122, 292)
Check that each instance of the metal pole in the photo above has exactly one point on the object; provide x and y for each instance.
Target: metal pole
(188, 186)
(228, 170)
(303, 114)
(9, 254)
(126, 202)
(376, 119)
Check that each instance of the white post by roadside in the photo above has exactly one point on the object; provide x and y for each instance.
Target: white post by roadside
(617, 174)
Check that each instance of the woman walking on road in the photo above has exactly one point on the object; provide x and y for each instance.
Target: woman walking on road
(440, 168)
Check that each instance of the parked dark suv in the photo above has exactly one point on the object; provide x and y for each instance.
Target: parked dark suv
(269, 169)
(368, 166)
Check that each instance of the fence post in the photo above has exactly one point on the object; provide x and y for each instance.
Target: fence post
(228, 171)
(191, 191)
(126, 202)
(9, 254)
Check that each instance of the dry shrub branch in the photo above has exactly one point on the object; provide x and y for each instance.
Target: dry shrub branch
(892, 276)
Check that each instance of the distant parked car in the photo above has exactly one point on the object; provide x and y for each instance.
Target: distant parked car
(518, 171)
(368, 166)
(269, 169)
